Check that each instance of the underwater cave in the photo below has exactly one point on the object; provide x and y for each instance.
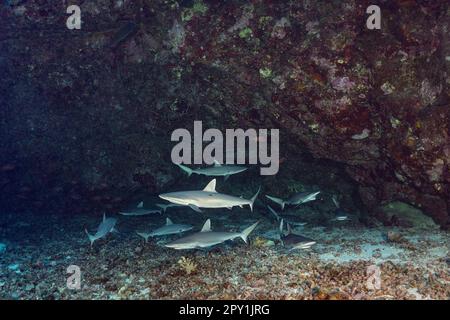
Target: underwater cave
(90, 98)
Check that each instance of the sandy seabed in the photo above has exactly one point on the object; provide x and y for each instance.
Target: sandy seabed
(39, 249)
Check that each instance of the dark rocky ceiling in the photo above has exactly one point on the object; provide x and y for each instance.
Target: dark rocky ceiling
(88, 113)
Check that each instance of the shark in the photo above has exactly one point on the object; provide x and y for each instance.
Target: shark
(340, 215)
(294, 241)
(208, 238)
(106, 226)
(216, 170)
(139, 211)
(296, 199)
(289, 218)
(167, 229)
(207, 198)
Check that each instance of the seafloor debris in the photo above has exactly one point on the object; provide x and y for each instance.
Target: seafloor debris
(187, 265)
(394, 236)
(335, 268)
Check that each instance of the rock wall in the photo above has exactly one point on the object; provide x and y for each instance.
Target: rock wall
(80, 105)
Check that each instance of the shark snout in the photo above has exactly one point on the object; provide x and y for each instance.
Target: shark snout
(164, 196)
(167, 197)
(173, 198)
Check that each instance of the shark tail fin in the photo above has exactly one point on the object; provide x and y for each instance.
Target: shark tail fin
(185, 169)
(277, 200)
(254, 198)
(163, 207)
(143, 235)
(244, 235)
(91, 237)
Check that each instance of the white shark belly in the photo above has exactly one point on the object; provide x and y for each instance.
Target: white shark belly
(217, 200)
(219, 171)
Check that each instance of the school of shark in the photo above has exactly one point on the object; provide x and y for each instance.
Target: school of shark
(186, 237)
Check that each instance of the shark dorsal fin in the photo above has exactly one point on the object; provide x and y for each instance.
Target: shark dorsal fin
(211, 187)
(207, 226)
(104, 216)
(140, 204)
(168, 222)
(216, 163)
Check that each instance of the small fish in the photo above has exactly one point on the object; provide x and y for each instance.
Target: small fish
(294, 241)
(207, 198)
(105, 227)
(207, 238)
(216, 170)
(296, 199)
(167, 229)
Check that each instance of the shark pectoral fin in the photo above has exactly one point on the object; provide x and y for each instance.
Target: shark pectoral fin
(274, 213)
(168, 221)
(216, 163)
(114, 230)
(195, 208)
(226, 177)
(162, 206)
(229, 208)
(289, 229)
(185, 169)
(140, 204)
(277, 200)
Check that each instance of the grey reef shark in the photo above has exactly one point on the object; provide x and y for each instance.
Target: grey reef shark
(168, 229)
(207, 238)
(207, 198)
(296, 199)
(139, 211)
(106, 226)
(217, 170)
